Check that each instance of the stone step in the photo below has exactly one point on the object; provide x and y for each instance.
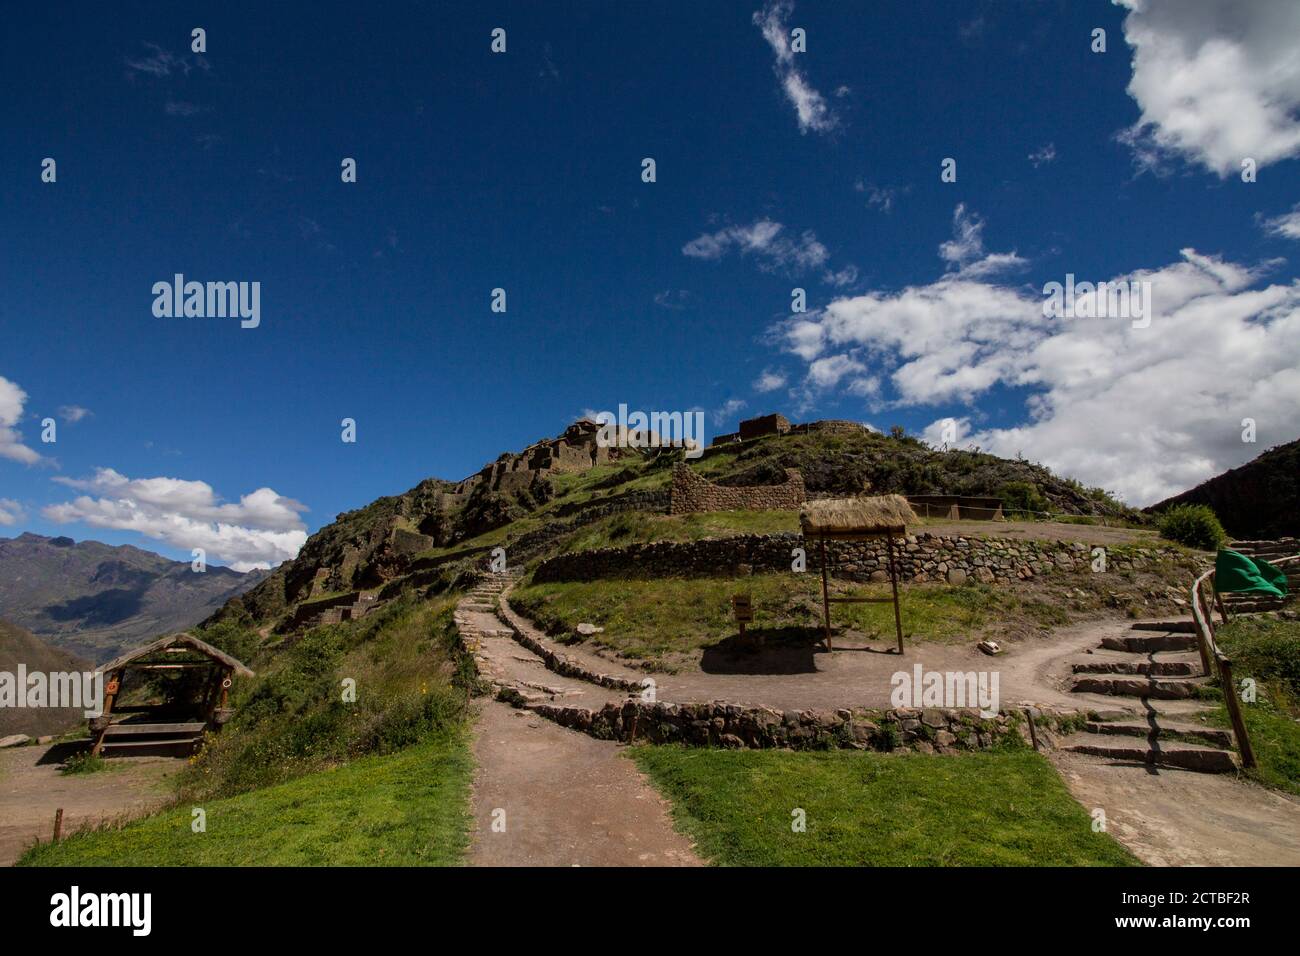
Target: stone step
(1160, 754)
(1212, 736)
(1186, 626)
(1152, 644)
(1161, 689)
(1148, 668)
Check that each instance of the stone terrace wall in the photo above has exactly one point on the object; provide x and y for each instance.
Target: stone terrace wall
(923, 557)
(690, 493)
(722, 724)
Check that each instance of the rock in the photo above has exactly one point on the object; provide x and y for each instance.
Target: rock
(586, 630)
(14, 740)
(944, 739)
(933, 717)
(956, 576)
(991, 648)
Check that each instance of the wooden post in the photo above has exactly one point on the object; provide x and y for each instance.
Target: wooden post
(1223, 610)
(1234, 711)
(826, 597)
(58, 824)
(893, 583)
(114, 686)
(1202, 643)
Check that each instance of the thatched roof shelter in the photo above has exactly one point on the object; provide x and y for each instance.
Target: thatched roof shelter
(178, 641)
(850, 518)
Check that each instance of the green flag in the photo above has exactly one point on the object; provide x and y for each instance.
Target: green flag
(1236, 572)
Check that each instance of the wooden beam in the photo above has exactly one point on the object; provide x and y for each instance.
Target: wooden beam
(893, 583)
(115, 682)
(826, 599)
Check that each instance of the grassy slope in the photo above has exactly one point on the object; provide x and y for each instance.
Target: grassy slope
(1268, 651)
(983, 809)
(406, 809)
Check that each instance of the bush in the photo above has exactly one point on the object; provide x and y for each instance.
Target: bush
(1196, 526)
(1022, 496)
(83, 762)
(291, 719)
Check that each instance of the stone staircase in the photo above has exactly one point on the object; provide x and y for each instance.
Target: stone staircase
(1156, 663)
(517, 674)
(1270, 551)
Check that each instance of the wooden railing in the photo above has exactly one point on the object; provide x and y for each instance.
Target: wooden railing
(1213, 656)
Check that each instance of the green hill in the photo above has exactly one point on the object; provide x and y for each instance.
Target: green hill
(536, 501)
(1261, 499)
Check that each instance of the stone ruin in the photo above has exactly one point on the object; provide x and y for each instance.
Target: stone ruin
(778, 424)
(689, 493)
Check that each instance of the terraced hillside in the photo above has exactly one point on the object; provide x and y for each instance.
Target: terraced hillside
(566, 493)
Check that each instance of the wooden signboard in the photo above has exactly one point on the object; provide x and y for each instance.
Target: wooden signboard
(744, 608)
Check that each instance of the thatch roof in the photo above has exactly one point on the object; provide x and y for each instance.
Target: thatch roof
(856, 517)
(173, 640)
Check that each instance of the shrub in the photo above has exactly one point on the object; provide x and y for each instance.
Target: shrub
(1022, 496)
(83, 762)
(1196, 526)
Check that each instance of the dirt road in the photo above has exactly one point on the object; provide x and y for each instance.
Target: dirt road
(32, 789)
(563, 799)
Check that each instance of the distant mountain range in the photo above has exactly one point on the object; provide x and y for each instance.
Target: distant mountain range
(95, 600)
(18, 646)
(1261, 499)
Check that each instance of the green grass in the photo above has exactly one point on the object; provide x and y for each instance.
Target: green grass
(291, 718)
(1269, 652)
(405, 809)
(84, 762)
(1005, 808)
(649, 619)
(641, 527)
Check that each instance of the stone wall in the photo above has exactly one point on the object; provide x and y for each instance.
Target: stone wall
(690, 493)
(735, 726)
(923, 557)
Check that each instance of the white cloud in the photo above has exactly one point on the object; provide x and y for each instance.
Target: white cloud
(162, 63)
(809, 105)
(965, 250)
(261, 530)
(1217, 81)
(11, 512)
(769, 381)
(845, 277)
(73, 413)
(674, 299)
(1043, 155)
(12, 400)
(1286, 225)
(1146, 412)
(881, 197)
(764, 240)
(729, 409)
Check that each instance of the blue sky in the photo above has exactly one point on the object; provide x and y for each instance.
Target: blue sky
(522, 170)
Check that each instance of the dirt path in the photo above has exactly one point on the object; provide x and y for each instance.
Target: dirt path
(1031, 672)
(32, 789)
(1180, 818)
(568, 800)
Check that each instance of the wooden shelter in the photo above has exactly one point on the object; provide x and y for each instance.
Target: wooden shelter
(857, 519)
(198, 677)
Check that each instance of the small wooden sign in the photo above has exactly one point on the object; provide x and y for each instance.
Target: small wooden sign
(742, 604)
